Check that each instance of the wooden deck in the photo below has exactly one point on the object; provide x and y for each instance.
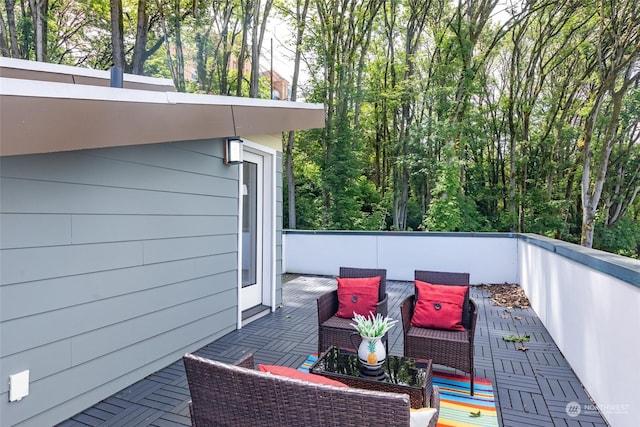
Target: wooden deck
(533, 388)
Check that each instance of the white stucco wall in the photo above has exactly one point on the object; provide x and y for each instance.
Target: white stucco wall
(488, 257)
(594, 318)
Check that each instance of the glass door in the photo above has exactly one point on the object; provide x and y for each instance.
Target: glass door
(252, 226)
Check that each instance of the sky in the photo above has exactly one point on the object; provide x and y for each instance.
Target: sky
(283, 49)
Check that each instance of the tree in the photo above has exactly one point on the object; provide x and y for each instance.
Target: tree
(403, 80)
(259, 24)
(139, 49)
(39, 9)
(300, 18)
(343, 30)
(14, 49)
(617, 49)
(176, 65)
(621, 190)
(117, 34)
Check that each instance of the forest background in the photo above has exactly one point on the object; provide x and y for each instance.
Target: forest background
(441, 115)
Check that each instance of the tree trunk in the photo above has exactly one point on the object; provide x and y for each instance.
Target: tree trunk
(617, 52)
(254, 76)
(137, 66)
(4, 48)
(180, 84)
(248, 8)
(257, 38)
(11, 23)
(223, 66)
(39, 10)
(117, 36)
(167, 46)
(591, 198)
(301, 18)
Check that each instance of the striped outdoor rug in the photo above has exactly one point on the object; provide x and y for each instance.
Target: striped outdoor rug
(456, 404)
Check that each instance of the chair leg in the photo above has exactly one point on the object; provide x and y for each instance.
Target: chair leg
(473, 374)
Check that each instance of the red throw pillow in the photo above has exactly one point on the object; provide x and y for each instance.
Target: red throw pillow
(358, 295)
(439, 306)
(285, 371)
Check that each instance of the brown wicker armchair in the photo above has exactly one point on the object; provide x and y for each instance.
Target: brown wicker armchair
(333, 330)
(227, 395)
(449, 348)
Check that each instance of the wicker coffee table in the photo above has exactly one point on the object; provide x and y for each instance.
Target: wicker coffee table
(398, 374)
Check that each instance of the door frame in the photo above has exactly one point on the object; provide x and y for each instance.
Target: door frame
(268, 272)
(251, 295)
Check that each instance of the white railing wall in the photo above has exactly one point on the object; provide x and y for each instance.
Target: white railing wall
(594, 318)
(588, 300)
(488, 257)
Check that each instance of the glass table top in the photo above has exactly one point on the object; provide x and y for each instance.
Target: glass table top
(395, 370)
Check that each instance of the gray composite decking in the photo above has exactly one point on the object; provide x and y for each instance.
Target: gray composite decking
(532, 388)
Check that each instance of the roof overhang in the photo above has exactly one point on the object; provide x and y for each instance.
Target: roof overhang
(45, 116)
(33, 70)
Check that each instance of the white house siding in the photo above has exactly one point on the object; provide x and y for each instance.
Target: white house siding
(114, 263)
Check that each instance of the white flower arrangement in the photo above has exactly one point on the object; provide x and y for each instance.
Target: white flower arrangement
(372, 326)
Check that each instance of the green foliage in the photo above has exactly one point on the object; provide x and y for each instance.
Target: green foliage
(371, 326)
(308, 192)
(445, 212)
(156, 65)
(623, 238)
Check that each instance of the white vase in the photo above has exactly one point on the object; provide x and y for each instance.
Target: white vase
(372, 352)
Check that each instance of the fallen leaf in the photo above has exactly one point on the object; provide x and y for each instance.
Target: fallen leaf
(506, 295)
(516, 338)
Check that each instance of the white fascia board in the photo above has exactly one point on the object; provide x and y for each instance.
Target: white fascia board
(21, 64)
(191, 98)
(46, 89)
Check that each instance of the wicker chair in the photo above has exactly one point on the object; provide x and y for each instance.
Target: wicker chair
(334, 330)
(449, 348)
(227, 395)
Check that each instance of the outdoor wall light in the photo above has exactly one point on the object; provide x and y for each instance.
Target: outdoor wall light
(232, 151)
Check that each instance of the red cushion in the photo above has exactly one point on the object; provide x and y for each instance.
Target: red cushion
(285, 371)
(439, 306)
(358, 295)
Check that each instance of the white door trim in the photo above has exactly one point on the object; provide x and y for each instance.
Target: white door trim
(268, 229)
(253, 255)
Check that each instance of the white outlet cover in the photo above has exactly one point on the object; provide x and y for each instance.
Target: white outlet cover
(18, 385)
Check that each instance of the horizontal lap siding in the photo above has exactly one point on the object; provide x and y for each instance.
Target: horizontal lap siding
(114, 263)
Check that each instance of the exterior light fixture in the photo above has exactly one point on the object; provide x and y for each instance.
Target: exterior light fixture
(232, 151)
